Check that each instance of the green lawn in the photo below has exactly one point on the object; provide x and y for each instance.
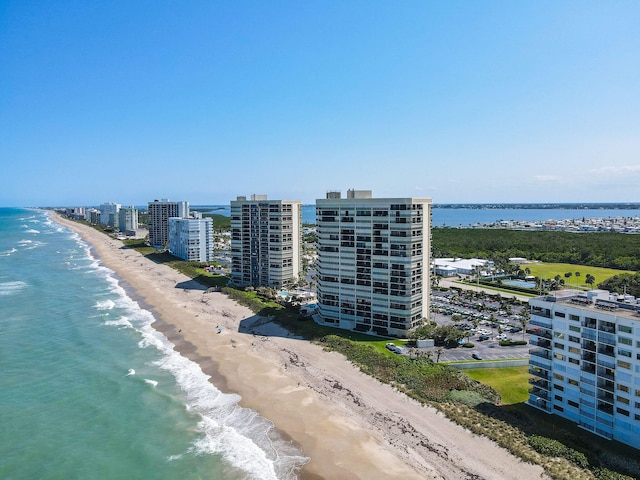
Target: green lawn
(511, 383)
(550, 270)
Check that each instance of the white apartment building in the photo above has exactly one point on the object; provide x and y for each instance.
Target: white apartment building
(109, 214)
(265, 241)
(373, 262)
(128, 219)
(586, 361)
(191, 238)
(160, 211)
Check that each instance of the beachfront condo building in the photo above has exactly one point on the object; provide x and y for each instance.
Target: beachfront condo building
(160, 211)
(265, 241)
(373, 262)
(128, 219)
(585, 361)
(109, 214)
(191, 239)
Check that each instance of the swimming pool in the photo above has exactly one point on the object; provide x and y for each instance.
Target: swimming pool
(519, 283)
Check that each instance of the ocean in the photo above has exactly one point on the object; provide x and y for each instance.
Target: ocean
(89, 390)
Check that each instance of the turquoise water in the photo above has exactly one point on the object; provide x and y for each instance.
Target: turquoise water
(89, 390)
(519, 283)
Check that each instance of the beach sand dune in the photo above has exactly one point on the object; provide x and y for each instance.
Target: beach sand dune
(349, 424)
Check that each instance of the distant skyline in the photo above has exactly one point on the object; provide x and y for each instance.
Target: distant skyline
(458, 101)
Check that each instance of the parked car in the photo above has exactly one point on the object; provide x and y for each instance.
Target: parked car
(475, 356)
(391, 346)
(482, 338)
(501, 337)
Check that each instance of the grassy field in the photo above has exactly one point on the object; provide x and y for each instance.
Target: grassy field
(511, 383)
(550, 270)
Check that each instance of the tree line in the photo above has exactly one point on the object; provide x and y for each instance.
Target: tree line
(597, 249)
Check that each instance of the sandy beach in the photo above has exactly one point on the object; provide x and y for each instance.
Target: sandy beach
(349, 424)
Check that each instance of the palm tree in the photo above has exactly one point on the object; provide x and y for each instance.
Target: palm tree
(525, 316)
(439, 352)
(590, 280)
(428, 354)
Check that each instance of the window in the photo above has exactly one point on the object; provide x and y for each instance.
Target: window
(575, 318)
(574, 350)
(623, 364)
(623, 388)
(558, 387)
(625, 329)
(624, 353)
(575, 361)
(574, 328)
(625, 340)
(557, 398)
(559, 346)
(558, 408)
(558, 335)
(622, 411)
(574, 339)
(573, 382)
(573, 404)
(622, 400)
(559, 314)
(557, 376)
(559, 356)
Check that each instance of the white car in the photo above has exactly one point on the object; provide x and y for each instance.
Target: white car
(501, 337)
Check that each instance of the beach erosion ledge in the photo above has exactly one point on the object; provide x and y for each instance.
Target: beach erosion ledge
(349, 425)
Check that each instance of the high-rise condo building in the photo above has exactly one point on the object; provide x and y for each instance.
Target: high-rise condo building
(265, 241)
(109, 214)
(128, 219)
(585, 361)
(373, 262)
(191, 238)
(160, 211)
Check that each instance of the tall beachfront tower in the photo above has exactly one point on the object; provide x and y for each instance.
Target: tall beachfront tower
(585, 361)
(191, 238)
(160, 211)
(265, 241)
(109, 214)
(373, 262)
(128, 219)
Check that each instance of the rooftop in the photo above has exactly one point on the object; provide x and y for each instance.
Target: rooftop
(597, 300)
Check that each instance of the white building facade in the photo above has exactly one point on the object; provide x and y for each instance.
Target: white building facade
(265, 241)
(373, 262)
(586, 361)
(109, 214)
(160, 211)
(191, 238)
(128, 219)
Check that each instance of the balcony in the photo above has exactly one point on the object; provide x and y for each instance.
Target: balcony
(540, 353)
(538, 322)
(540, 342)
(540, 383)
(538, 393)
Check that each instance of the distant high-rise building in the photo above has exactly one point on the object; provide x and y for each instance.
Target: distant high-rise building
(191, 238)
(109, 214)
(128, 219)
(265, 241)
(159, 213)
(373, 262)
(585, 361)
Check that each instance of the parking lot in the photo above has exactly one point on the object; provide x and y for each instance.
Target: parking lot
(486, 322)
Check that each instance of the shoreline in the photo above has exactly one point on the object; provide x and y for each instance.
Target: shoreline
(350, 425)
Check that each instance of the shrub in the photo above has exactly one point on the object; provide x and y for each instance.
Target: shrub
(468, 345)
(553, 448)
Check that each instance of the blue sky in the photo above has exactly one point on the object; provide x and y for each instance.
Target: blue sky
(460, 101)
